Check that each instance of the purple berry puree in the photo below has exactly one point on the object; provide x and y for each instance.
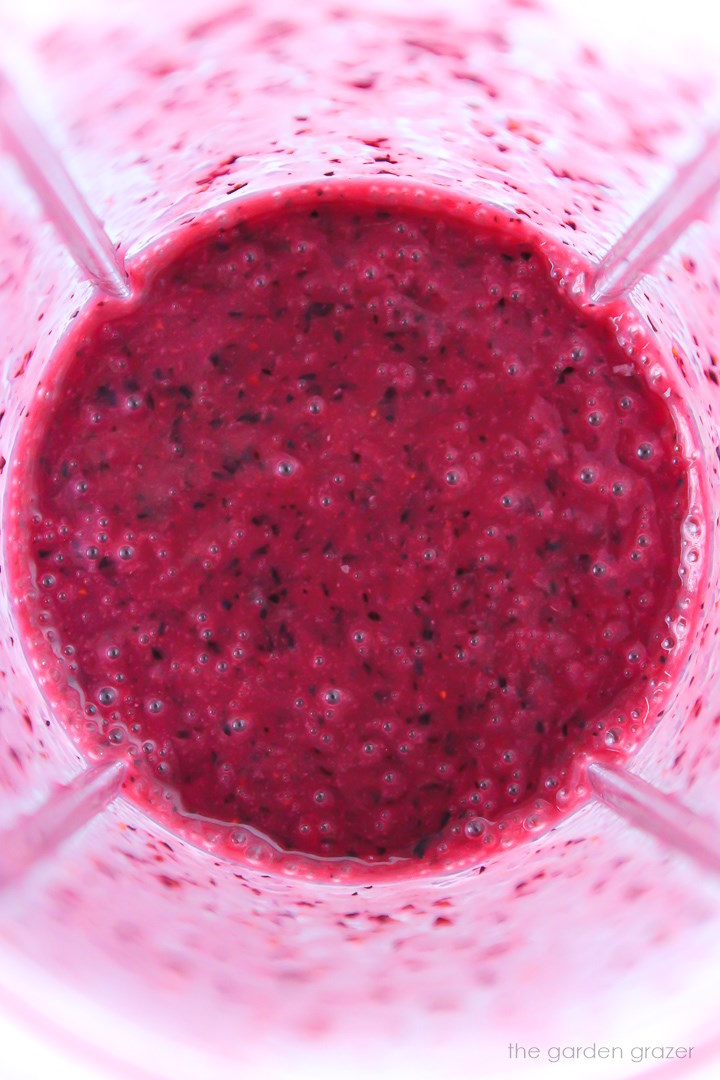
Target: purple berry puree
(353, 528)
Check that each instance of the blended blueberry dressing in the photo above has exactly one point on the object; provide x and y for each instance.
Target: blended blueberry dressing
(353, 528)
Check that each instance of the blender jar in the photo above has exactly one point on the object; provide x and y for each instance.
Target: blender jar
(173, 960)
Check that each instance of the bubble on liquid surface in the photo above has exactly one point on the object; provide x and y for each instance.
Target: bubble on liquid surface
(475, 828)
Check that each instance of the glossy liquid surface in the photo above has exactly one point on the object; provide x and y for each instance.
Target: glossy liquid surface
(353, 529)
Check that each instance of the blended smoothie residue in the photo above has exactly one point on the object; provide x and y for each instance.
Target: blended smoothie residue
(353, 528)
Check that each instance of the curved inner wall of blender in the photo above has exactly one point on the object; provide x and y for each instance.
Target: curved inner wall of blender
(354, 529)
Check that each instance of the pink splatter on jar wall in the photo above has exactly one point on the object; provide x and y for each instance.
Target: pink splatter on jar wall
(178, 960)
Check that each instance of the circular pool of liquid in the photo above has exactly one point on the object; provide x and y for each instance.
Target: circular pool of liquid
(352, 528)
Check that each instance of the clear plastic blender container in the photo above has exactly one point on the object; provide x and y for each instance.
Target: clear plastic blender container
(164, 958)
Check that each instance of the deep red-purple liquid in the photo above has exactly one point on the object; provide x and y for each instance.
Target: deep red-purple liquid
(353, 528)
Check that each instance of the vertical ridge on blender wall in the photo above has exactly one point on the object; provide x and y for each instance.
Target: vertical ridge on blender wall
(38, 835)
(62, 201)
(663, 816)
(685, 199)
